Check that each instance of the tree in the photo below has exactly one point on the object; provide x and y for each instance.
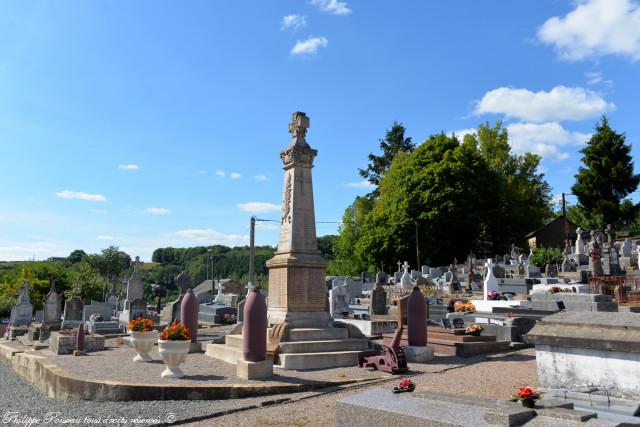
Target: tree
(76, 256)
(606, 179)
(326, 244)
(110, 263)
(517, 195)
(435, 192)
(347, 261)
(87, 283)
(393, 143)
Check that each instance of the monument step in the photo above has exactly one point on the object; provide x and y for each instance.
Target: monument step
(350, 344)
(459, 338)
(332, 359)
(224, 352)
(318, 334)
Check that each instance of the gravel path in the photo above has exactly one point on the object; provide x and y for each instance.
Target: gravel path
(478, 376)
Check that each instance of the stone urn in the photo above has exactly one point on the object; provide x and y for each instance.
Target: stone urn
(143, 342)
(173, 353)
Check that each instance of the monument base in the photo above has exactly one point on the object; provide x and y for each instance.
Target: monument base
(419, 354)
(300, 319)
(254, 370)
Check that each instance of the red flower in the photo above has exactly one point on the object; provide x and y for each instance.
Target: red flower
(405, 383)
(525, 392)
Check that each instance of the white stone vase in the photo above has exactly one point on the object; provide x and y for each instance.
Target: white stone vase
(173, 353)
(143, 342)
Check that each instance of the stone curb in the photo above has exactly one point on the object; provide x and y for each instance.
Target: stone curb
(57, 383)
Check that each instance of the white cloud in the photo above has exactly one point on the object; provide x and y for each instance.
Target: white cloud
(359, 184)
(544, 139)
(129, 167)
(561, 103)
(220, 173)
(157, 211)
(260, 177)
(258, 207)
(210, 236)
(596, 77)
(105, 237)
(12, 251)
(294, 22)
(235, 175)
(335, 7)
(78, 195)
(309, 46)
(595, 28)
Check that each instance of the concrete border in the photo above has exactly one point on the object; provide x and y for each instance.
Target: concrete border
(57, 383)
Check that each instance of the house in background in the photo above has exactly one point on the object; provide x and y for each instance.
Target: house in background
(553, 234)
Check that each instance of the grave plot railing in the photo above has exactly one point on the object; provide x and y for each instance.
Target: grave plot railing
(623, 289)
(394, 294)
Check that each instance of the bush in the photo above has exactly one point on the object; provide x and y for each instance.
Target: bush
(543, 256)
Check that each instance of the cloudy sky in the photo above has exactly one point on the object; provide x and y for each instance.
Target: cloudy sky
(146, 124)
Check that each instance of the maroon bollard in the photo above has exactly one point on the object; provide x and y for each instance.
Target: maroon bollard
(417, 319)
(254, 328)
(189, 314)
(80, 339)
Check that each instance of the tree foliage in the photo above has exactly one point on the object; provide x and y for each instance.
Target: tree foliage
(606, 178)
(393, 143)
(346, 261)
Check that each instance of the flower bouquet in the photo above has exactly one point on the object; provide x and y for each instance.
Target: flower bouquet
(464, 307)
(143, 337)
(527, 396)
(474, 330)
(405, 386)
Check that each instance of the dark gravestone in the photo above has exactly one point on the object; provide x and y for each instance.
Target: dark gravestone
(378, 300)
(73, 309)
(138, 308)
(458, 323)
(560, 305)
(446, 323)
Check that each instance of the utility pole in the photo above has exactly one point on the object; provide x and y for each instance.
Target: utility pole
(564, 214)
(252, 253)
(417, 249)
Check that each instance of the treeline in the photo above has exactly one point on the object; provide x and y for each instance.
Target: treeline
(448, 196)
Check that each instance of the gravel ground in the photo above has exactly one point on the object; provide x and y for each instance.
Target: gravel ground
(478, 376)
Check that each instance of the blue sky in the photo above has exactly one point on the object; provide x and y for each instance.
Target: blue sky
(147, 124)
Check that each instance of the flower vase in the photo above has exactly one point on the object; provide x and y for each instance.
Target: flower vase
(528, 403)
(143, 342)
(173, 353)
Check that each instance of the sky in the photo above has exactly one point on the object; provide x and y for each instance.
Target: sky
(149, 124)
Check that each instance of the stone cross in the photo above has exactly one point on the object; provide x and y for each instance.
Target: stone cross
(490, 282)
(405, 266)
(399, 266)
(298, 128)
(579, 242)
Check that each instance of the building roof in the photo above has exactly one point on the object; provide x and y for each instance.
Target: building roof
(547, 224)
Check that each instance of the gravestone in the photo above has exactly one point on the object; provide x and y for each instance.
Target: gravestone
(401, 310)
(338, 301)
(378, 300)
(52, 307)
(405, 280)
(102, 308)
(137, 308)
(490, 282)
(72, 316)
(38, 316)
(354, 287)
(435, 273)
(135, 288)
(171, 312)
(625, 249)
(424, 269)
(21, 313)
(397, 277)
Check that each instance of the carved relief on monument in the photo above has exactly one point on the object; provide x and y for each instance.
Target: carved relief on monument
(286, 205)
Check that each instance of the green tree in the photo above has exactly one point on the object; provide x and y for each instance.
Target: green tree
(110, 263)
(393, 143)
(606, 178)
(435, 191)
(87, 283)
(76, 256)
(517, 195)
(347, 261)
(325, 246)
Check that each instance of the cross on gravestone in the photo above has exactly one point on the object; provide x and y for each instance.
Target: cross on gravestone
(182, 280)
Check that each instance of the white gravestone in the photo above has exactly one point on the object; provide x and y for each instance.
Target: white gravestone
(579, 242)
(490, 282)
(405, 281)
(22, 313)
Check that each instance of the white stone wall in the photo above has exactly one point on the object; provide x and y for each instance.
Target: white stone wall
(560, 367)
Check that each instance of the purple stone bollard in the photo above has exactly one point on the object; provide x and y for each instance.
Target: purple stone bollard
(254, 328)
(80, 339)
(417, 318)
(189, 313)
